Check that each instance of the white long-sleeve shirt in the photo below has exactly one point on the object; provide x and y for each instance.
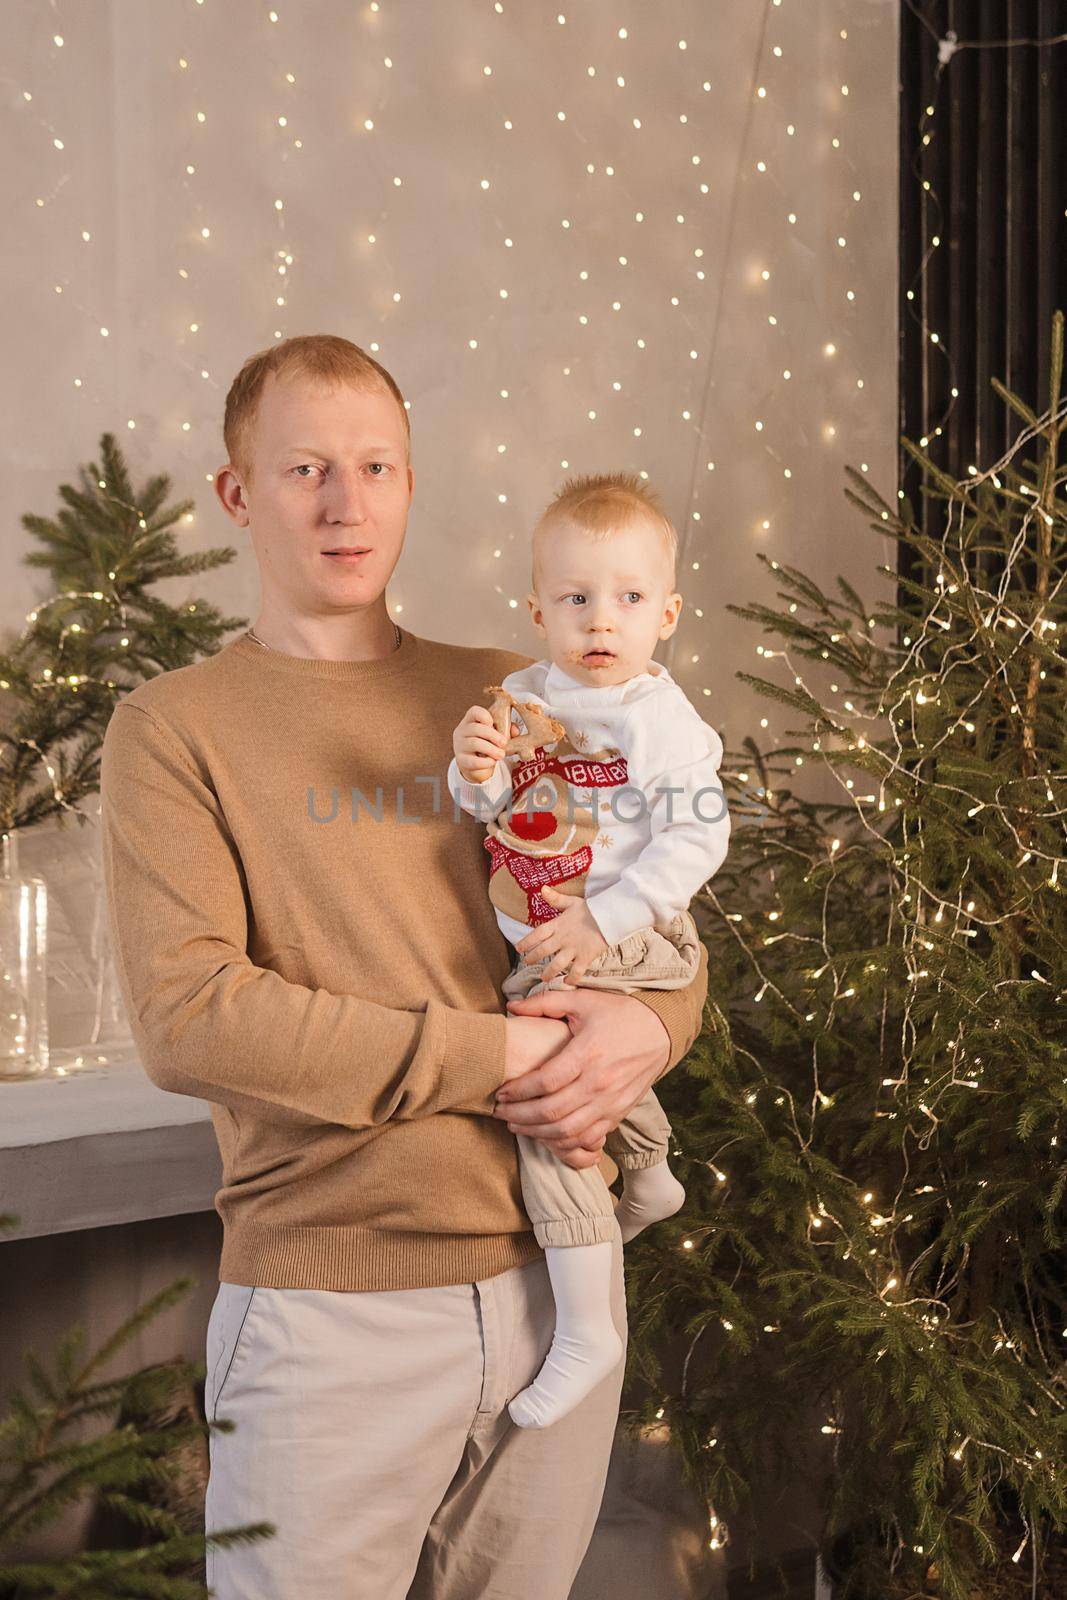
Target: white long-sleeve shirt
(630, 801)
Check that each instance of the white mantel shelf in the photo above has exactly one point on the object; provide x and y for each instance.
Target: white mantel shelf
(99, 1146)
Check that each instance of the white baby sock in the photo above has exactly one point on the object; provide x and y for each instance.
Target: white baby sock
(648, 1195)
(586, 1345)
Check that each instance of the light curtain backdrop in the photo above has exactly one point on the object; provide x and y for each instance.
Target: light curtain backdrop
(583, 236)
(607, 268)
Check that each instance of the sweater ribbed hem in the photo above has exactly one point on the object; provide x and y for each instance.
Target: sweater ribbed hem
(287, 1256)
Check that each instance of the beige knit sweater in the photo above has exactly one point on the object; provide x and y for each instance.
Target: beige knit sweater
(304, 938)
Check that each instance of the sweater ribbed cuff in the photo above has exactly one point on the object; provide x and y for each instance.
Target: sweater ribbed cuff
(676, 1009)
(472, 1061)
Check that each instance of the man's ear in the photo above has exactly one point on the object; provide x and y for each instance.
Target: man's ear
(672, 610)
(536, 613)
(231, 493)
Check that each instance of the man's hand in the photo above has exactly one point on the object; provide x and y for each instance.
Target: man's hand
(529, 1043)
(617, 1050)
(572, 938)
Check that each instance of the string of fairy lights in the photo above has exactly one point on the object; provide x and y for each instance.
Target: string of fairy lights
(610, 69)
(920, 906)
(919, 903)
(754, 158)
(949, 46)
(779, 119)
(704, 301)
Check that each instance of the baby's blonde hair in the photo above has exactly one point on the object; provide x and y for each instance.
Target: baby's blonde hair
(603, 505)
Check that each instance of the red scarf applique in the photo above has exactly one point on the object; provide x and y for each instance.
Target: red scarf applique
(532, 872)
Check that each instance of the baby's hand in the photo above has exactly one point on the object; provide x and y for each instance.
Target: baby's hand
(572, 939)
(478, 746)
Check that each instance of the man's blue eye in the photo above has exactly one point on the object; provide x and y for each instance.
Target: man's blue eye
(306, 466)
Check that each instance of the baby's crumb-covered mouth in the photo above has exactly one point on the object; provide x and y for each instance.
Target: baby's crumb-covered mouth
(596, 657)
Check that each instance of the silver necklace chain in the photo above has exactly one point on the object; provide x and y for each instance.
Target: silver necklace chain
(253, 635)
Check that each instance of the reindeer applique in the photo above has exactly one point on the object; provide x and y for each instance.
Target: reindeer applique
(545, 836)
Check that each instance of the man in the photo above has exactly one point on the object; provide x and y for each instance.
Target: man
(304, 939)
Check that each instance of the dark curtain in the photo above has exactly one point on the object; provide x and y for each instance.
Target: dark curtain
(997, 165)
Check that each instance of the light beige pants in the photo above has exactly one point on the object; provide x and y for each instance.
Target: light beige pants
(570, 1207)
(372, 1430)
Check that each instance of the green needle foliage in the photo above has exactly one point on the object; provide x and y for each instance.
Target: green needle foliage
(101, 631)
(868, 1281)
(133, 1468)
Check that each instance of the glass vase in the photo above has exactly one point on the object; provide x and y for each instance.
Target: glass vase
(87, 1025)
(23, 966)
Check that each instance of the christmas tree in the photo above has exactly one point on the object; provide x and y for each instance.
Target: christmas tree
(100, 632)
(867, 1280)
(139, 1468)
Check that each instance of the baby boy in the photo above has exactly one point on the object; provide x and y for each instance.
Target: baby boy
(598, 782)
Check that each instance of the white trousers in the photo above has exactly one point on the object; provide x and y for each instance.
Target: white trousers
(371, 1429)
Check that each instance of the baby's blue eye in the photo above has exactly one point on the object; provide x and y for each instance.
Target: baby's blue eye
(574, 597)
(633, 592)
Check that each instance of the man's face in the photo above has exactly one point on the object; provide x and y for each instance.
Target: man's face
(329, 473)
(603, 604)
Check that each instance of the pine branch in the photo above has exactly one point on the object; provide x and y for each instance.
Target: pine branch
(130, 1469)
(871, 1128)
(98, 633)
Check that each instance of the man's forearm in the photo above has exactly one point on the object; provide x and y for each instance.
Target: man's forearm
(209, 1022)
(249, 1038)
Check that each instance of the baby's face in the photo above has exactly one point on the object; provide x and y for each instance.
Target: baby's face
(603, 604)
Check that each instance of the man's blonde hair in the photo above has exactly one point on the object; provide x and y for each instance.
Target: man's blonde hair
(323, 356)
(606, 504)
